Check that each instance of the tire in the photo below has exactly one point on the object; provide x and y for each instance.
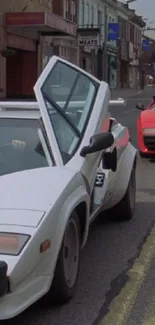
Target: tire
(124, 210)
(63, 288)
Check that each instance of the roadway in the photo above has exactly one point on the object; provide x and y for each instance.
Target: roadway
(110, 253)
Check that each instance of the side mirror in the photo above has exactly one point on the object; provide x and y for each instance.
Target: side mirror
(98, 142)
(140, 107)
(109, 160)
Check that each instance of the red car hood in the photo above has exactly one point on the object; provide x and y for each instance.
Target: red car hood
(148, 119)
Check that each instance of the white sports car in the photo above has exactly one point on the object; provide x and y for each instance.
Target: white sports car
(62, 161)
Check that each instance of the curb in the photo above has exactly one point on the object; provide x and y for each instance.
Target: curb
(122, 305)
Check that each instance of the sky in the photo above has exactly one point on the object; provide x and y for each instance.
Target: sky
(146, 8)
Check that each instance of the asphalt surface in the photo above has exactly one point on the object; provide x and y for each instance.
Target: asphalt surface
(110, 251)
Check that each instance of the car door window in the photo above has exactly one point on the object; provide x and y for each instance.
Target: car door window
(69, 95)
(65, 135)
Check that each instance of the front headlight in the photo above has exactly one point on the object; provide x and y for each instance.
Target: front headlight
(149, 131)
(12, 244)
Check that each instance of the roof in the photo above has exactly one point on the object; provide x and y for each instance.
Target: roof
(138, 20)
(17, 109)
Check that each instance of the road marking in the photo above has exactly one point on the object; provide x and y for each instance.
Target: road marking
(121, 307)
(131, 110)
(140, 99)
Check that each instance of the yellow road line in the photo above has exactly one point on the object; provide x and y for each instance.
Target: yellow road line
(122, 305)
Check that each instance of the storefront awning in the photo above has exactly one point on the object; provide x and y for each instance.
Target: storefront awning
(44, 23)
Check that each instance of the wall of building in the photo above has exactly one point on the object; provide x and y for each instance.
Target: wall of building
(91, 15)
(26, 5)
(123, 47)
(19, 38)
(97, 14)
(44, 46)
(112, 50)
(131, 32)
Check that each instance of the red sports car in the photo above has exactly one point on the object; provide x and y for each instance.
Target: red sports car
(146, 129)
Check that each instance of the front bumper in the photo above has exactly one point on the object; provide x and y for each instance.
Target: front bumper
(3, 278)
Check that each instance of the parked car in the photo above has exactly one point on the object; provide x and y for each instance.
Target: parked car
(63, 160)
(146, 129)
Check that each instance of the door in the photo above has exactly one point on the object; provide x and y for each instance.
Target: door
(74, 107)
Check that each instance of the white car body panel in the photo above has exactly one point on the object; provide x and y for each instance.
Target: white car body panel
(97, 122)
(41, 201)
(20, 217)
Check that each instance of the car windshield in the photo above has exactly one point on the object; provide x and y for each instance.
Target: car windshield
(22, 145)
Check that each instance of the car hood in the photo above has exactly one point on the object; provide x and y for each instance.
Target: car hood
(36, 189)
(148, 118)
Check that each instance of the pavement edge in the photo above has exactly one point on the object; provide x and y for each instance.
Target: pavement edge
(121, 306)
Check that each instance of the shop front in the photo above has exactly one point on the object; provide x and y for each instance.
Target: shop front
(112, 67)
(89, 42)
(26, 46)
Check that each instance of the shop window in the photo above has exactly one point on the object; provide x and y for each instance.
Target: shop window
(99, 18)
(73, 12)
(87, 14)
(66, 9)
(83, 13)
(92, 15)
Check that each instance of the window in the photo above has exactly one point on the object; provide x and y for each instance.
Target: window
(73, 12)
(99, 18)
(65, 134)
(66, 9)
(23, 146)
(83, 13)
(69, 96)
(92, 15)
(87, 14)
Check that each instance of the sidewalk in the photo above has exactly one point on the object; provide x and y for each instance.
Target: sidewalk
(124, 93)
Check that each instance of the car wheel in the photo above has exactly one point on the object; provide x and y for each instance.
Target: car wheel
(67, 268)
(124, 210)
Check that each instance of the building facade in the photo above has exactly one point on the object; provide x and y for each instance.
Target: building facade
(30, 33)
(97, 54)
(124, 16)
(112, 64)
(135, 50)
(90, 36)
(147, 60)
(129, 44)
